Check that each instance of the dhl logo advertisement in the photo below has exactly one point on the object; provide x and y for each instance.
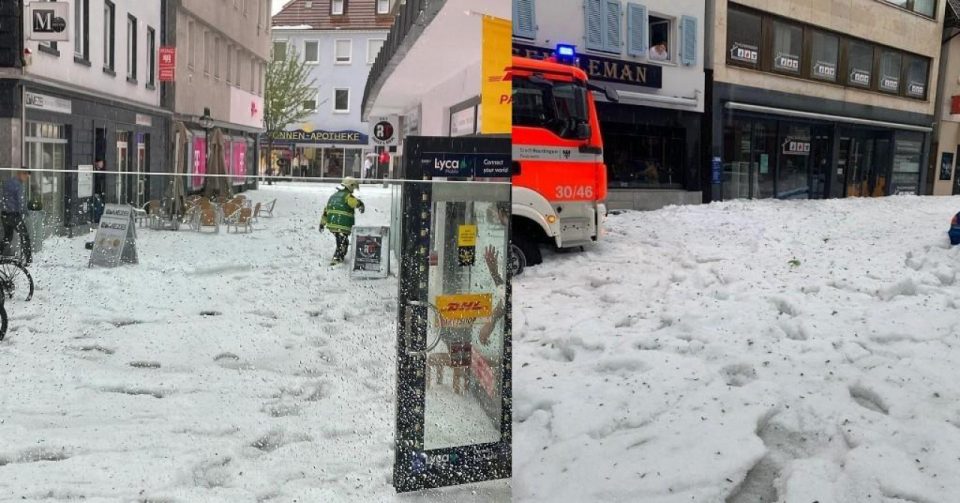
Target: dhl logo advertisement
(465, 306)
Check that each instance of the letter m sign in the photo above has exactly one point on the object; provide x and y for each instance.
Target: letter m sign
(48, 21)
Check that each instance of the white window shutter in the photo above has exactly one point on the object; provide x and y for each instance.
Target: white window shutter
(593, 17)
(524, 19)
(637, 25)
(612, 25)
(688, 48)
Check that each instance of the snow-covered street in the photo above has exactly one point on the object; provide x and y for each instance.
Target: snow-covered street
(745, 352)
(223, 367)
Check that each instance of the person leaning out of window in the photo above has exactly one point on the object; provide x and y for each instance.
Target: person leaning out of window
(658, 51)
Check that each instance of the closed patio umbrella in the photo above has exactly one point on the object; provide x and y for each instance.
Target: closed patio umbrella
(218, 185)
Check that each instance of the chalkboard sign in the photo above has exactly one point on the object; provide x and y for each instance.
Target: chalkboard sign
(116, 240)
(371, 256)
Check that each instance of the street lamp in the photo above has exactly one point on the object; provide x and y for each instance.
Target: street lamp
(206, 122)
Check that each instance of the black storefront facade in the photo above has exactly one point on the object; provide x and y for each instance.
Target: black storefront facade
(768, 144)
(67, 131)
(653, 153)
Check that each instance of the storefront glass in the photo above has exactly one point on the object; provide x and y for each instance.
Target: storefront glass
(333, 163)
(793, 168)
(906, 164)
(46, 146)
(644, 156)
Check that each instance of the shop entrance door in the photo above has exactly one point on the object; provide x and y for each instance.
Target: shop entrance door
(453, 340)
(137, 189)
(123, 165)
(868, 160)
(822, 162)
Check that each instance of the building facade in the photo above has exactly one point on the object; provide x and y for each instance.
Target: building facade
(942, 177)
(338, 41)
(222, 51)
(823, 98)
(67, 105)
(651, 51)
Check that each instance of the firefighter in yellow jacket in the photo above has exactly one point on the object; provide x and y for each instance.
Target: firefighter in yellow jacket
(338, 216)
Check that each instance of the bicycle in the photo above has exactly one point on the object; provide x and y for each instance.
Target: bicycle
(14, 277)
(3, 314)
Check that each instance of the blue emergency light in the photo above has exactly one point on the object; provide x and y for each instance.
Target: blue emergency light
(566, 53)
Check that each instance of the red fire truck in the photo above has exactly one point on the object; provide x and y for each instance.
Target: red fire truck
(559, 178)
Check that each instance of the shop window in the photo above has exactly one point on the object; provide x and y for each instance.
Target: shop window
(916, 72)
(311, 52)
(794, 164)
(889, 78)
(859, 71)
(661, 47)
(787, 47)
(524, 19)
(333, 163)
(603, 25)
(824, 53)
(743, 37)
(906, 164)
(342, 51)
(341, 101)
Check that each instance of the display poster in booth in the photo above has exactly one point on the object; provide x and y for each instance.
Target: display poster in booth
(371, 257)
(116, 240)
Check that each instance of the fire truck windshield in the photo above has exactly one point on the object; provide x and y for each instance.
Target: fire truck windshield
(557, 106)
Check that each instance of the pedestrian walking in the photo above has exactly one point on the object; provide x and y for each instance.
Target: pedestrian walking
(338, 216)
(12, 206)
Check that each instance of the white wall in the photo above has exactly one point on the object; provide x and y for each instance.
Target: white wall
(435, 108)
(92, 78)
(562, 21)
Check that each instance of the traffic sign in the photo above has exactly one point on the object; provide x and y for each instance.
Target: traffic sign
(383, 130)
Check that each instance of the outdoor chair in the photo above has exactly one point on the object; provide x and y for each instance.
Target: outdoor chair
(228, 209)
(267, 209)
(241, 218)
(140, 214)
(207, 216)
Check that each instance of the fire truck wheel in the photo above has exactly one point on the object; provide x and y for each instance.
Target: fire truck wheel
(516, 262)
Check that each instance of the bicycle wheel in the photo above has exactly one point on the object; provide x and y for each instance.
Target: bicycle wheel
(3, 318)
(15, 279)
